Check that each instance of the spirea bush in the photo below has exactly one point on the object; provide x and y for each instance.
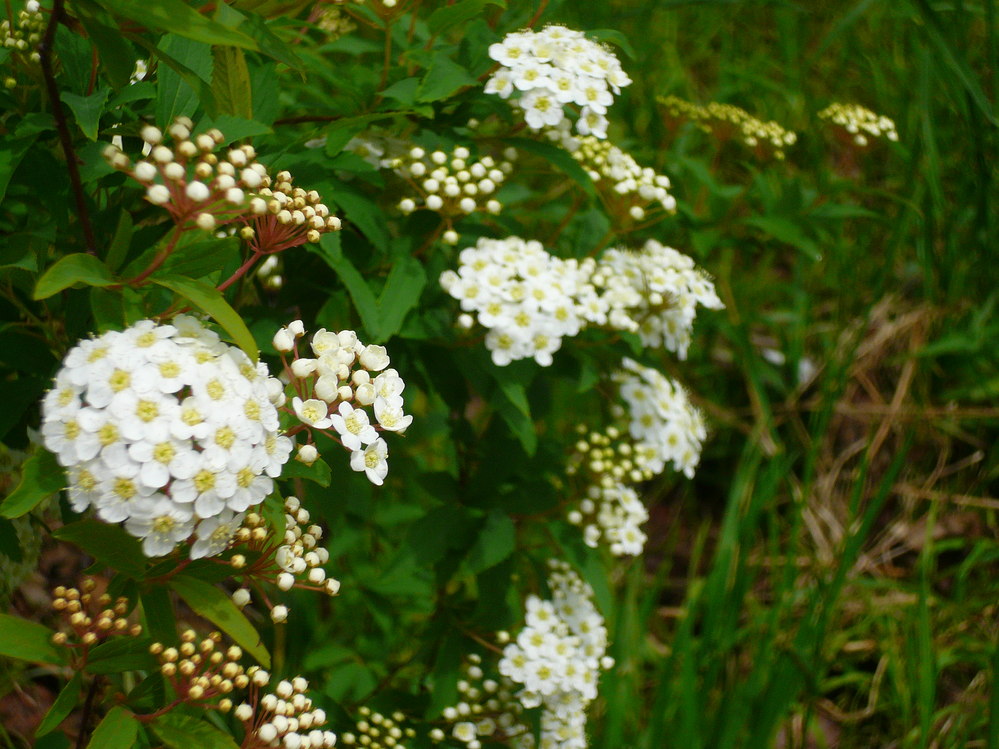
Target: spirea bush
(437, 195)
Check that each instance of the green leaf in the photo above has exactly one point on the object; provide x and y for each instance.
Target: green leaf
(185, 80)
(62, 706)
(614, 37)
(444, 18)
(12, 150)
(785, 230)
(70, 270)
(210, 301)
(255, 26)
(10, 544)
(158, 619)
(339, 133)
(87, 110)
(116, 55)
(496, 541)
(121, 654)
(41, 477)
(178, 731)
(231, 83)
(120, 242)
(109, 544)
(444, 78)
(118, 730)
(558, 157)
(28, 641)
(401, 293)
(360, 210)
(182, 19)
(214, 605)
(319, 471)
(364, 300)
(198, 259)
(234, 128)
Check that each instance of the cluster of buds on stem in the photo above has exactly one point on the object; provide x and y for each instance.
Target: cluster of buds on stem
(92, 619)
(201, 672)
(194, 184)
(728, 122)
(284, 717)
(377, 731)
(858, 124)
(22, 36)
(294, 563)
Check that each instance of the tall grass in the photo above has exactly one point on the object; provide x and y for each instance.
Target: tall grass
(830, 577)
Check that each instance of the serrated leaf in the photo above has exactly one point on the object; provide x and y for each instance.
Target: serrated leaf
(109, 544)
(118, 730)
(443, 78)
(402, 291)
(116, 55)
(360, 210)
(231, 83)
(28, 641)
(178, 731)
(185, 80)
(70, 270)
(41, 477)
(62, 706)
(496, 541)
(444, 18)
(214, 605)
(319, 471)
(180, 18)
(364, 299)
(209, 300)
(87, 110)
(121, 654)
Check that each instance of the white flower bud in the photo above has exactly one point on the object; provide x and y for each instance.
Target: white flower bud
(467, 205)
(308, 454)
(198, 191)
(243, 713)
(304, 367)
(345, 393)
(174, 172)
(234, 195)
(267, 733)
(162, 154)
(292, 741)
(279, 613)
(450, 237)
(158, 194)
(332, 586)
(465, 321)
(205, 221)
(283, 340)
(365, 394)
(407, 205)
(144, 171)
(493, 206)
(241, 597)
(151, 135)
(285, 580)
(317, 575)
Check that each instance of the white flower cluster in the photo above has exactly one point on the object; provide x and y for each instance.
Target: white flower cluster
(301, 555)
(334, 387)
(377, 731)
(655, 292)
(284, 717)
(860, 122)
(661, 418)
(554, 67)
(557, 657)
(659, 427)
(193, 183)
(627, 187)
(487, 710)
(23, 37)
(529, 300)
(167, 429)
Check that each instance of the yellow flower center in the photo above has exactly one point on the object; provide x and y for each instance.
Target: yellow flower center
(85, 480)
(163, 524)
(124, 488)
(147, 410)
(164, 452)
(146, 340)
(191, 416)
(97, 354)
(245, 478)
(71, 430)
(371, 458)
(66, 396)
(252, 410)
(119, 380)
(169, 369)
(225, 438)
(248, 371)
(203, 356)
(107, 434)
(215, 389)
(204, 480)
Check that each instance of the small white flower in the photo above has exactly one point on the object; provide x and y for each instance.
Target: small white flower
(313, 412)
(372, 460)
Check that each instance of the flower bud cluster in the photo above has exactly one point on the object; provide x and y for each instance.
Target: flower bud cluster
(334, 387)
(529, 300)
(453, 185)
(92, 619)
(201, 671)
(859, 123)
(184, 174)
(558, 656)
(300, 557)
(168, 430)
(335, 22)
(269, 274)
(377, 731)
(727, 121)
(284, 717)
(549, 69)
(611, 510)
(487, 710)
(628, 189)
(23, 35)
